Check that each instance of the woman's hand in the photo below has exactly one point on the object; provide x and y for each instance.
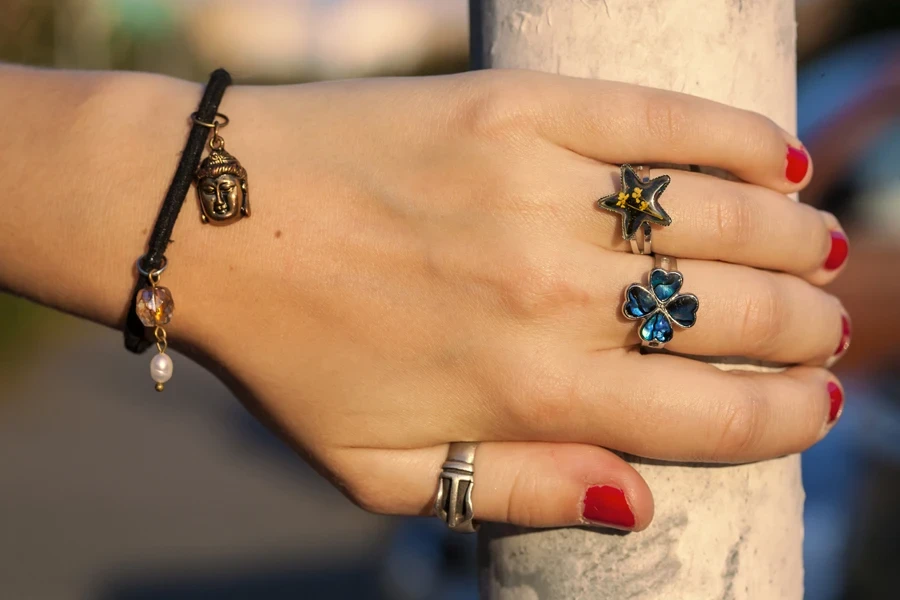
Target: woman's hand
(426, 263)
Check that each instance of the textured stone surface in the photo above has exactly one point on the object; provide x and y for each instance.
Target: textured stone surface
(728, 532)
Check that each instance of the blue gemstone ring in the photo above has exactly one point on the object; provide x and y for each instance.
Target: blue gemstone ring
(659, 306)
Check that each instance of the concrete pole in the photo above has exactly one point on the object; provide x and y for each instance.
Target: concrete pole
(729, 532)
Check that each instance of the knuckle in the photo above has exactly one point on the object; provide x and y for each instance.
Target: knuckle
(544, 396)
(492, 107)
(521, 507)
(770, 133)
(758, 133)
(764, 316)
(732, 220)
(741, 423)
(666, 117)
(535, 286)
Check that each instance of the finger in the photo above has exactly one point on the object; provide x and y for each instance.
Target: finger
(531, 484)
(715, 219)
(673, 408)
(658, 126)
(749, 312)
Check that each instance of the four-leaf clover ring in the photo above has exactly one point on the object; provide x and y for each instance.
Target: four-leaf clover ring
(659, 306)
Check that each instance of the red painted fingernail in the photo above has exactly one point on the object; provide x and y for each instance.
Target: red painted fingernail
(606, 505)
(840, 248)
(837, 401)
(846, 333)
(797, 164)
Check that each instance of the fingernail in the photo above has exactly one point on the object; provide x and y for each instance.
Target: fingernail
(797, 164)
(846, 333)
(840, 248)
(837, 401)
(606, 505)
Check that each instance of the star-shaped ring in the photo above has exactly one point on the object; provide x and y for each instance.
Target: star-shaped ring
(638, 202)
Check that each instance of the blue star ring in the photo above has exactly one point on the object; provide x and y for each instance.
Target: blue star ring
(659, 306)
(638, 203)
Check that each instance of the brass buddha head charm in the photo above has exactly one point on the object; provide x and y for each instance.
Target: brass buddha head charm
(222, 187)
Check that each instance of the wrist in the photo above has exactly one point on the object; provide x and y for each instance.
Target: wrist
(93, 155)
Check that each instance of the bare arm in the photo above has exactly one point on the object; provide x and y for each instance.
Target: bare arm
(85, 159)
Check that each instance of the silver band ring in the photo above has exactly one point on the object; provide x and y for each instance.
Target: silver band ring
(642, 242)
(453, 502)
(668, 263)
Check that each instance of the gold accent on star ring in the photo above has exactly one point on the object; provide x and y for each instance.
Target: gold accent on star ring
(637, 202)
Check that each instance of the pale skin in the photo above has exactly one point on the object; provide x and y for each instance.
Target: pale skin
(425, 264)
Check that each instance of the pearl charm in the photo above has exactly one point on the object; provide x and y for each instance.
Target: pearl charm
(161, 369)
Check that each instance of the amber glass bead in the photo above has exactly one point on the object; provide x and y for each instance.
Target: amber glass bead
(154, 306)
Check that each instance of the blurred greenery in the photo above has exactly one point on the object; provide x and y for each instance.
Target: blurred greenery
(24, 326)
(26, 32)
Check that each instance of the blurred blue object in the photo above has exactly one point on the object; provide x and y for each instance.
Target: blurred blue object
(827, 85)
(836, 471)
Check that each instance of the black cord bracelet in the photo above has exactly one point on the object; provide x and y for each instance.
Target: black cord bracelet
(222, 191)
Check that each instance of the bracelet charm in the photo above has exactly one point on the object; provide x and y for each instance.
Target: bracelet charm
(154, 307)
(221, 181)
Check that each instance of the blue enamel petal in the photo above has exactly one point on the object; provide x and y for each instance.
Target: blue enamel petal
(665, 284)
(656, 328)
(639, 302)
(683, 309)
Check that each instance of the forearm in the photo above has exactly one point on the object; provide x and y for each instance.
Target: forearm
(85, 159)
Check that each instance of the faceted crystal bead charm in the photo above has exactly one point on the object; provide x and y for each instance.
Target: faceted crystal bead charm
(154, 306)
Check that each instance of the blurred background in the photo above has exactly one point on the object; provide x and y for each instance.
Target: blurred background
(109, 491)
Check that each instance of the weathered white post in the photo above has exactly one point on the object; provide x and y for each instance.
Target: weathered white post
(728, 532)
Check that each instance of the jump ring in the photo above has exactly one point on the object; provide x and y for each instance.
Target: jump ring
(215, 123)
(145, 273)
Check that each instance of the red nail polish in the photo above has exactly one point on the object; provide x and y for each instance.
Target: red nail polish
(840, 248)
(606, 505)
(837, 401)
(846, 333)
(797, 165)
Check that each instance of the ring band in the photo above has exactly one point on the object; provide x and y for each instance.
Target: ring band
(669, 263)
(642, 242)
(453, 502)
